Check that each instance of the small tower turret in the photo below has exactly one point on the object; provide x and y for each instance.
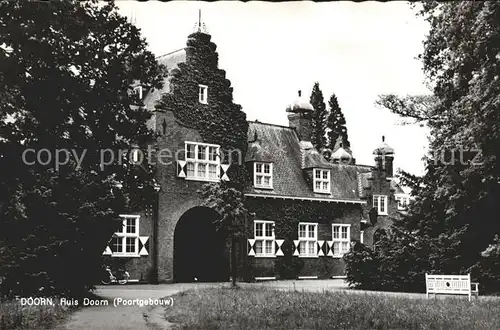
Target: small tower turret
(300, 117)
(384, 158)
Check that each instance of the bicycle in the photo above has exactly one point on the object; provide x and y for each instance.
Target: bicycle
(121, 276)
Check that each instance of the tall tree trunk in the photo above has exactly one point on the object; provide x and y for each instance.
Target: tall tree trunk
(234, 267)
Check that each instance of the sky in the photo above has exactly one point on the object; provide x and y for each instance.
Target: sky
(271, 50)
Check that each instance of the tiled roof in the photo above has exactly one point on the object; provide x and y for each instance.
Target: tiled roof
(288, 176)
(170, 60)
(281, 145)
(313, 159)
(255, 153)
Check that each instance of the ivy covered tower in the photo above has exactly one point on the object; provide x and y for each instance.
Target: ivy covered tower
(201, 97)
(201, 138)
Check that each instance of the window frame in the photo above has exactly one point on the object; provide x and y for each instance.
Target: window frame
(264, 238)
(321, 180)
(139, 90)
(124, 235)
(341, 240)
(134, 155)
(206, 161)
(378, 198)
(203, 94)
(263, 175)
(308, 239)
(399, 198)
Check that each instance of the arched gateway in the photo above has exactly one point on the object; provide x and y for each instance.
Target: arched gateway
(199, 249)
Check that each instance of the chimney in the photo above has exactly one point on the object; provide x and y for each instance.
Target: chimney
(300, 117)
(384, 158)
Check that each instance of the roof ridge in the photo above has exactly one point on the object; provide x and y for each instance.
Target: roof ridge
(269, 124)
(363, 165)
(175, 51)
(355, 165)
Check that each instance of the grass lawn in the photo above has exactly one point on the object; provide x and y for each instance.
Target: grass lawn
(15, 316)
(259, 308)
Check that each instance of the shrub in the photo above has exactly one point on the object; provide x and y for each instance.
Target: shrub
(396, 262)
(361, 267)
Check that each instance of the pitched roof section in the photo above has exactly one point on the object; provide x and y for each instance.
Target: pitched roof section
(313, 159)
(345, 180)
(283, 144)
(255, 153)
(170, 60)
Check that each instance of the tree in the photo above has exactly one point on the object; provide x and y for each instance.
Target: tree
(229, 203)
(456, 207)
(318, 136)
(464, 73)
(336, 124)
(413, 108)
(66, 74)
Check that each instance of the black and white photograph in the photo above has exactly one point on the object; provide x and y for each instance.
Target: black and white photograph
(249, 165)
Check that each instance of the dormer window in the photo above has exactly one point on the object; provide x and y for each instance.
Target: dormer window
(138, 92)
(202, 161)
(321, 181)
(403, 202)
(263, 175)
(203, 94)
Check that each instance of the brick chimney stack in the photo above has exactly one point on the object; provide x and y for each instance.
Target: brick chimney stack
(300, 117)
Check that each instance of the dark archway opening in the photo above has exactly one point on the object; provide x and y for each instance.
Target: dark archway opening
(199, 249)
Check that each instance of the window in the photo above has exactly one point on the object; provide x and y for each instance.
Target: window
(138, 92)
(203, 94)
(321, 181)
(136, 156)
(263, 175)
(264, 238)
(380, 204)
(402, 202)
(125, 242)
(308, 239)
(341, 237)
(202, 161)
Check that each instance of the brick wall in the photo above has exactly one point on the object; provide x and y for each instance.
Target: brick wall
(380, 185)
(176, 195)
(140, 268)
(287, 213)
